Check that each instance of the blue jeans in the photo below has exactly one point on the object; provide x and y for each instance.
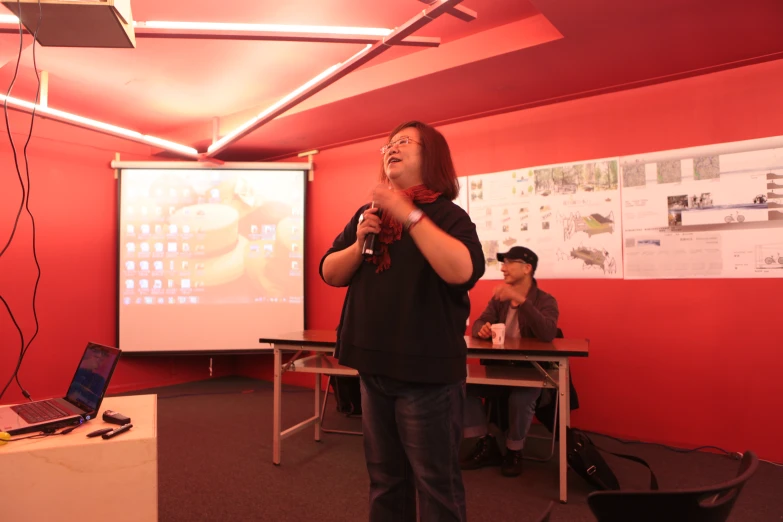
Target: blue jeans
(521, 410)
(412, 436)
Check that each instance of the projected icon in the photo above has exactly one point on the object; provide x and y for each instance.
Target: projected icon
(172, 229)
(268, 231)
(158, 264)
(129, 284)
(158, 247)
(131, 229)
(131, 247)
(185, 283)
(158, 229)
(186, 229)
(144, 284)
(130, 265)
(172, 247)
(158, 284)
(144, 265)
(145, 247)
(145, 229)
(126, 300)
(185, 247)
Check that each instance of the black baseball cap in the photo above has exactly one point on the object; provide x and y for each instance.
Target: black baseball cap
(522, 254)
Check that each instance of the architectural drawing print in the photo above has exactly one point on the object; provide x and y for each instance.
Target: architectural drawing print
(590, 225)
(543, 181)
(707, 167)
(490, 248)
(601, 175)
(595, 258)
(769, 256)
(669, 171)
(558, 180)
(633, 174)
(477, 190)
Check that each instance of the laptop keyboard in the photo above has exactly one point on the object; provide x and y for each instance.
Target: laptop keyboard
(39, 411)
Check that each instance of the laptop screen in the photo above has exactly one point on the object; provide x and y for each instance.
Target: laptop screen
(92, 377)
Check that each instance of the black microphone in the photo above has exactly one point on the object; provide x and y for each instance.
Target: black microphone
(368, 248)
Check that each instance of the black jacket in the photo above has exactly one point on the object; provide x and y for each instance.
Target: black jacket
(406, 322)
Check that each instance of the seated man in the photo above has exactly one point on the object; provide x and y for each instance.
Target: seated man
(526, 312)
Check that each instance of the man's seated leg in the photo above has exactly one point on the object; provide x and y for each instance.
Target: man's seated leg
(486, 451)
(521, 410)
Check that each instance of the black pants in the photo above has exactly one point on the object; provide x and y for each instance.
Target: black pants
(412, 436)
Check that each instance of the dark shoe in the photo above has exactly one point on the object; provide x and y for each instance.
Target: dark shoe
(485, 453)
(512, 463)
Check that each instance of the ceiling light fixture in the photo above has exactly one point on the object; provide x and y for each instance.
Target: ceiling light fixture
(105, 128)
(334, 73)
(253, 32)
(267, 28)
(245, 127)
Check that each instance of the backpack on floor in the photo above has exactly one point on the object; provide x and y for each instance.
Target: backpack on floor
(585, 459)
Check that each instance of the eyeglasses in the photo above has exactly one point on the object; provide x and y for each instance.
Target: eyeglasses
(510, 261)
(404, 140)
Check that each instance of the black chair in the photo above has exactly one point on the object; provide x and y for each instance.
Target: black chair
(707, 504)
(545, 515)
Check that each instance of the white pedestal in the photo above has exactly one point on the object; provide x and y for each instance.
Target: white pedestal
(71, 477)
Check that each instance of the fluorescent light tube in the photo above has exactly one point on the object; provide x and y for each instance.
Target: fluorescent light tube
(106, 128)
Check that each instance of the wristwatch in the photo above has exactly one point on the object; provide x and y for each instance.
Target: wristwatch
(413, 218)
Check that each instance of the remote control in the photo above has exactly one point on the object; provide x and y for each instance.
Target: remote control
(117, 431)
(99, 432)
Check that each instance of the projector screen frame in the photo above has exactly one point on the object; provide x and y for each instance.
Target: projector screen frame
(119, 166)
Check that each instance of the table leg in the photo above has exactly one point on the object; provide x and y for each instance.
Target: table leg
(317, 422)
(563, 390)
(277, 400)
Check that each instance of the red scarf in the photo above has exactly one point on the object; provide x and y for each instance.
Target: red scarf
(391, 229)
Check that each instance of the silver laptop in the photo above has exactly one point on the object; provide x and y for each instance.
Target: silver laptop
(80, 404)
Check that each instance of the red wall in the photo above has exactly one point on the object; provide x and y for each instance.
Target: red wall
(689, 362)
(663, 367)
(74, 203)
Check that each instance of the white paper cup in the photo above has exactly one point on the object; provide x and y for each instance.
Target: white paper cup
(498, 333)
